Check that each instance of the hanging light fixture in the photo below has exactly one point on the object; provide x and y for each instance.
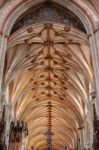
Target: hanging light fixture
(49, 133)
(65, 147)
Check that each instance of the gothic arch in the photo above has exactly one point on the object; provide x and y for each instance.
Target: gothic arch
(86, 12)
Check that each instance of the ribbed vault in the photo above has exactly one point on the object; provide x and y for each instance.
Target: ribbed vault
(48, 70)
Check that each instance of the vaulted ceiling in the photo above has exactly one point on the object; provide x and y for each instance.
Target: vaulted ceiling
(48, 71)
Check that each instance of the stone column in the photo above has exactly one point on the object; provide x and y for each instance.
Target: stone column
(5, 94)
(94, 44)
(3, 45)
(81, 139)
(7, 126)
(24, 143)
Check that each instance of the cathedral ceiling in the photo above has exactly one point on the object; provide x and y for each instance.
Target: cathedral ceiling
(48, 69)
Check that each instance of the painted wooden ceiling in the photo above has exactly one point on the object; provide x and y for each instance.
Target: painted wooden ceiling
(48, 70)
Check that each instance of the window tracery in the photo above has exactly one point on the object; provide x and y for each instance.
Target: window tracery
(49, 13)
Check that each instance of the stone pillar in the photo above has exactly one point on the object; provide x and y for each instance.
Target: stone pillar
(90, 120)
(3, 45)
(94, 43)
(7, 126)
(81, 139)
(24, 143)
(5, 95)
